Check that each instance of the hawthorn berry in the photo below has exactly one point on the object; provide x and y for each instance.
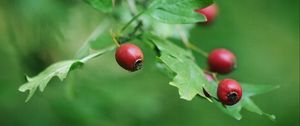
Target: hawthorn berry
(129, 57)
(229, 91)
(209, 12)
(221, 61)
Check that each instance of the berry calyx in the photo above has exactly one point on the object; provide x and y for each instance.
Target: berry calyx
(209, 12)
(229, 92)
(129, 57)
(221, 61)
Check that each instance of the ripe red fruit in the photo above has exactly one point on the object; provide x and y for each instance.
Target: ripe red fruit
(229, 91)
(209, 12)
(130, 57)
(221, 61)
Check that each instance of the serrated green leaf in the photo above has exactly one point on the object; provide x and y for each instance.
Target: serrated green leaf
(60, 70)
(189, 78)
(83, 51)
(176, 18)
(194, 4)
(101, 5)
(168, 47)
(257, 89)
(178, 11)
(233, 111)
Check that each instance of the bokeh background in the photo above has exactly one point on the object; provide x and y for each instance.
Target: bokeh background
(264, 34)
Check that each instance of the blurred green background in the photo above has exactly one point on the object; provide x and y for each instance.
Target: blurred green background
(264, 34)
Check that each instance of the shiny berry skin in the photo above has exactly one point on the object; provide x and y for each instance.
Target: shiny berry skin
(209, 12)
(229, 92)
(129, 57)
(221, 61)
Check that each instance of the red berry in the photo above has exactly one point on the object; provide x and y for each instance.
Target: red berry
(209, 12)
(130, 57)
(229, 91)
(221, 61)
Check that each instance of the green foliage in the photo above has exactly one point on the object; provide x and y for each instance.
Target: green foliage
(246, 102)
(178, 11)
(102, 5)
(98, 39)
(188, 77)
(59, 69)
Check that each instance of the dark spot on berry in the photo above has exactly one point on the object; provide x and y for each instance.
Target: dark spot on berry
(232, 96)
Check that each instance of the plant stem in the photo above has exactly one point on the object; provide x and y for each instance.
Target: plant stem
(133, 19)
(136, 28)
(113, 36)
(188, 44)
(98, 53)
(98, 30)
(196, 49)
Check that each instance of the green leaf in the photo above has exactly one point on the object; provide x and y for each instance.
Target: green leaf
(101, 5)
(246, 102)
(60, 70)
(252, 90)
(83, 51)
(168, 47)
(178, 11)
(189, 78)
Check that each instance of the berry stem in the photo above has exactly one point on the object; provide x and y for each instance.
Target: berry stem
(113, 36)
(188, 44)
(98, 30)
(198, 50)
(214, 75)
(136, 28)
(98, 53)
(133, 19)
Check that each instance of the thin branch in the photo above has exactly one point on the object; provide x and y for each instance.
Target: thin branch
(93, 36)
(136, 28)
(98, 53)
(133, 19)
(188, 44)
(113, 36)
